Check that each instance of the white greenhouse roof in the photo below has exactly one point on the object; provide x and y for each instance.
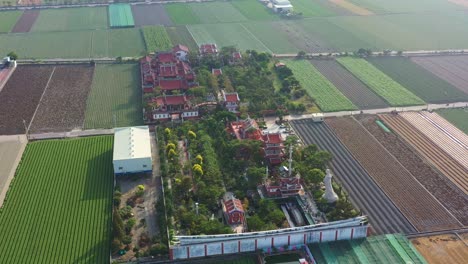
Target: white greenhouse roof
(132, 143)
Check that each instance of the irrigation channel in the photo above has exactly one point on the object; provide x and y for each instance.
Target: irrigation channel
(383, 215)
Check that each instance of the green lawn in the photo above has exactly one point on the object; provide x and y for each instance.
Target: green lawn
(216, 12)
(8, 20)
(180, 35)
(69, 19)
(310, 8)
(156, 38)
(59, 205)
(181, 14)
(234, 34)
(379, 82)
(458, 117)
(419, 81)
(115, 91)
(326, 95)
(254, 10)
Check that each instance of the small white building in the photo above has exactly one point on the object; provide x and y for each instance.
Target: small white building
(132, 150)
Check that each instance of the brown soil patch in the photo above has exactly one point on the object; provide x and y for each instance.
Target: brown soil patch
(20, 96)
(451, 197)
(463, 3)
(352, 7)
(64, 102)
(414, 201)
(26, 21)
(442, 249)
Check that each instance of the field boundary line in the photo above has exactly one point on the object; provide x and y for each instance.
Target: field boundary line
(191, 34)
(255, 37)
(42, 96)
(405, 169)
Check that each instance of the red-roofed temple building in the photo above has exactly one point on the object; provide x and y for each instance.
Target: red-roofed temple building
(208, 49)
(233, 212)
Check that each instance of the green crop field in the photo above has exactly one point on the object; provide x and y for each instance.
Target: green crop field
(254, 10)
(310, 8)
(326, 95)
(386, 87)
(458, 117)
(419, 81)
(399, 6)
(277, 43)
(69, 19)
(125, 42)
(120, 15)
(181, 35)
(223, 35)
(115, 94)
(216, 12)
(156, 38)
(181, 14)
(8, 20)
(58, 207)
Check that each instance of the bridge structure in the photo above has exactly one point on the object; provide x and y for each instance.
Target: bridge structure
(188, 247)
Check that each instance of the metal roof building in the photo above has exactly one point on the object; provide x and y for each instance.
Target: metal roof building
(132, 150)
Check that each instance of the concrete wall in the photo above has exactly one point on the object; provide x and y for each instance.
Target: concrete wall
(263, 241)
(132, 165)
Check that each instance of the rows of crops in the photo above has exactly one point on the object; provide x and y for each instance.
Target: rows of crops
(386, 87)
(60, 212)
(458, 117)
(156, 38)
(115, 97)
(326, 95)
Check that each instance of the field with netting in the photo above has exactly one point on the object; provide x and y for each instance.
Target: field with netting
(115, 96)
(60, 212)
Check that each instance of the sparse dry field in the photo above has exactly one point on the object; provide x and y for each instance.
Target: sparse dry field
(146, 15)
(64, 102)
(442, 249)
(414, 201)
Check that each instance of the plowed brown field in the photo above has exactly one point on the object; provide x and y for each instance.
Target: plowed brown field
(442, 249)
(414, 201)
(440, 159)
(26, 21)
(449, 195)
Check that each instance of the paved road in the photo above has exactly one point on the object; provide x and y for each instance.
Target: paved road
(72, 134)
(11, 151)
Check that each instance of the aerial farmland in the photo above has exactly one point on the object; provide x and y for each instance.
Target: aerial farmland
(277, 131)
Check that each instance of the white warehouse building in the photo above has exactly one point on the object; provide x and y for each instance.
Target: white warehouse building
(132, 150)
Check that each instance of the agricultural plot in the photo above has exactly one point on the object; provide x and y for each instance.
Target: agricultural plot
(24, 88)
(349, 85)
(8, 20)
(326, 95)
(442, 161)
(120, 15)
(277, 43)
(156, 38)
(60, 211)
(181, 14)
(414, 201)
(399, 6)
(311, 8)
(447, 137)
(418, 80)
(146, 15)
(380, 83)
(448, 195)
(453, 69)
(354, 9)
(222, 35)
(216, 12)
(458, 117)
(115, 97)
(26, 21)
(64, 101)
(447, 248)
(70, 19)
(365, 194)
(181, 35)
(11, 150)
(125, 42)
(255, 11)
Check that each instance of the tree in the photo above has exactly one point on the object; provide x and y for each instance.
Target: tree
(118, 225)
(255, 176)
(276, 217)
(199, 159)
(255, 223)
(170, 146)
(12, 55)
(314, 176)
(192, 135)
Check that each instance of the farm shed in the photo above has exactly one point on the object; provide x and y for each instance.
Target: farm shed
(132, 150)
